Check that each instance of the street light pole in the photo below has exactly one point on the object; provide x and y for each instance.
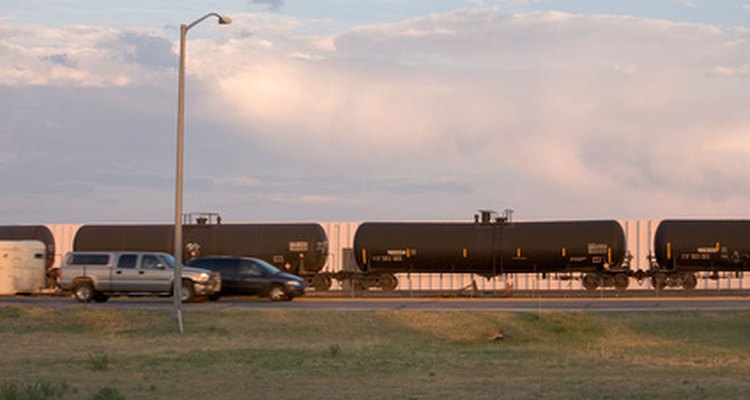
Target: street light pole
(177, 287)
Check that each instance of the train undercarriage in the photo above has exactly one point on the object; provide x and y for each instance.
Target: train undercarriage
(349, 280)
(590, 281)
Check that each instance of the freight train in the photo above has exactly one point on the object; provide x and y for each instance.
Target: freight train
(297, 248)
(301, 249)
(593, 251)
(685, 247)
(491, 247)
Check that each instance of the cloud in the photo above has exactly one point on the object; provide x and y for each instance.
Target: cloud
(81, 55)
(509, 2)
(552, 114)
(61, 59)
(273, 5)
(731, 72)
(148, 50)
(592, 105)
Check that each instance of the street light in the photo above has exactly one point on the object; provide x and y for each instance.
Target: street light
(177, 287)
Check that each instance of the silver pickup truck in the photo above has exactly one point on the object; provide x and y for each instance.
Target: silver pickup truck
(95, 275)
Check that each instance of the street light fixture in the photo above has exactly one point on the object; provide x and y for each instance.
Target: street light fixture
(177, 287)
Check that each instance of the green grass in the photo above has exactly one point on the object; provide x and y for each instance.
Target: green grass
(374, 354)
(34, 391)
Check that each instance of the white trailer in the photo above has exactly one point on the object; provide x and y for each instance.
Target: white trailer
(22, 266)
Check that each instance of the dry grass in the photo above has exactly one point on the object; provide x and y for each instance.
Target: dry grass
(384, 354)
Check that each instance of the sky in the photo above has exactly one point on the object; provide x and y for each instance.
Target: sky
(370, 110)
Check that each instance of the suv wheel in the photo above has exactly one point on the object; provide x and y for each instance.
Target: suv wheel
(187, 292)
(214, 297)
(277, 293)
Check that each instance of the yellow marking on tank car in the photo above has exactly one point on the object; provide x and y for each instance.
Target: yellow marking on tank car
(669, 250)
(564, 252)
(465, 252)
(364, 256)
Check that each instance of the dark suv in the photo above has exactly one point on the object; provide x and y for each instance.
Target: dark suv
(246, 275)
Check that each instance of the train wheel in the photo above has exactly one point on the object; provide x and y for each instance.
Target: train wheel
(358, 284)
(659, 281)
(689, 281)
(321, 283)
(621, 281)
(590, 282)
(387, 282)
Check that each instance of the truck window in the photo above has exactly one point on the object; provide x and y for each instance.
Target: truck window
(127, 261)
(88, 259)
(169, 259)
(151, 262)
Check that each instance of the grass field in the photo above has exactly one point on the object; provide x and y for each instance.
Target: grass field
(87, 354)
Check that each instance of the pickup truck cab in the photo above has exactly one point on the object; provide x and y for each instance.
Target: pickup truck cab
(95, 275)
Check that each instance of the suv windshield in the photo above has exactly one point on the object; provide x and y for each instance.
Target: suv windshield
(270, 269)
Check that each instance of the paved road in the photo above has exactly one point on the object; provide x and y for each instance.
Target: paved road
(423, 304)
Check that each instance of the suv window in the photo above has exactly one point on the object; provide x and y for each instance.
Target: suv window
(151, 262)
(127, 261)
(249, 268)
(88, 259)
(226, 266)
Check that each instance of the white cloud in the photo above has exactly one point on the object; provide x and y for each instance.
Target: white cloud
(273, 5)
(686, 3)
(731, 72)
(81, 55)
(552, 114)
(509, 2)
(522, 96)
(233, 181)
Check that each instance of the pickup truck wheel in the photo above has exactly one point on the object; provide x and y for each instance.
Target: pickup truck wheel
(277, 293)
(83, 292)
(188, 292)
(100, 297)
(214, 297)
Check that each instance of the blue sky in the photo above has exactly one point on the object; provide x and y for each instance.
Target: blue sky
(376, 110)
